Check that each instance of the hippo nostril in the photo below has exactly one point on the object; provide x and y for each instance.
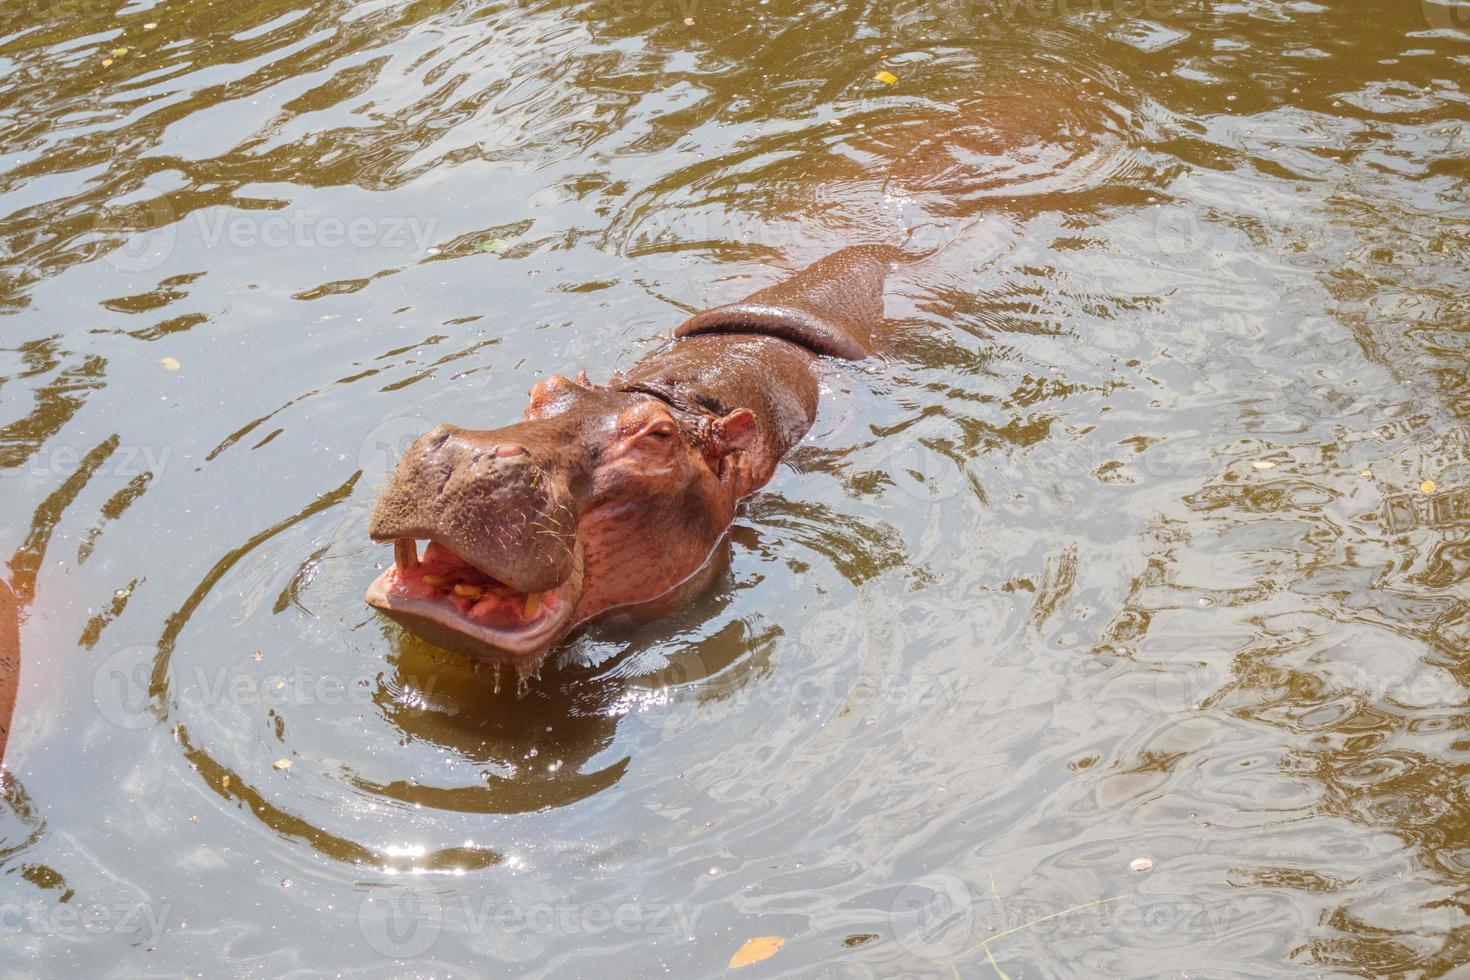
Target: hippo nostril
(506, 452)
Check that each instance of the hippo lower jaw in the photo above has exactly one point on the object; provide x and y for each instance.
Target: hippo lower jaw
(456, 605)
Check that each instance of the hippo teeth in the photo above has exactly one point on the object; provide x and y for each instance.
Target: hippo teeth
(406, 559)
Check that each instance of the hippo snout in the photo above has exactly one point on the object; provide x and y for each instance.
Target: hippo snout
(485, 497)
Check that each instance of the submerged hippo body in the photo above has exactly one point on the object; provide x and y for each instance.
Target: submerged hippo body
(612, 496)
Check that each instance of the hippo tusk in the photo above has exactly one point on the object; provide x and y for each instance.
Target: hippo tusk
(405, 553)
(533, 605)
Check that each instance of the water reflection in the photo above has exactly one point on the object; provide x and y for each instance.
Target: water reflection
(1127, 553)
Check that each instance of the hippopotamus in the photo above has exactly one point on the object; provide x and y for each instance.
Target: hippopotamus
(614, 497)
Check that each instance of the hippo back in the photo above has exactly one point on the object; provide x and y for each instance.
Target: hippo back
(834, 307)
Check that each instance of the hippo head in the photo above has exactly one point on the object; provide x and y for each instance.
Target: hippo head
(599, 498)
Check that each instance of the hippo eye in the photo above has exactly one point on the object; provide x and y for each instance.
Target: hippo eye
(661, 430)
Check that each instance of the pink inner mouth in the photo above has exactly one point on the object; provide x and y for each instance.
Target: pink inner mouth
(442, 576)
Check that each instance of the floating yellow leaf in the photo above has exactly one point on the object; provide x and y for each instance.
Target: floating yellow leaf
(755, 950)
(283, 763)
(886, 77)
(106, 62)
(1366, 474)
(119, 52)
(1427, 486)
(171, 363)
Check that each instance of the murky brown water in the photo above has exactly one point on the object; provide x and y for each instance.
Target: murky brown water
(1130, 553)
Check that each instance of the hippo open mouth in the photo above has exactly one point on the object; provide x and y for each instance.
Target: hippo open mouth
(459, 606)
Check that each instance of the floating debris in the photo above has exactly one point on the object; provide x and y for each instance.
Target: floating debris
(886, 77)
(755, 950)
(283, 763)
(1140, 864)
(1427, 486)
(170, 363)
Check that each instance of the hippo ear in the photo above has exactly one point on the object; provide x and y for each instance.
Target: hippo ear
(739, 430)
(834, 307)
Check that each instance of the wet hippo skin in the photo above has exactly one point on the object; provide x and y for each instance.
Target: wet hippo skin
(9, 660)
(612, 497)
